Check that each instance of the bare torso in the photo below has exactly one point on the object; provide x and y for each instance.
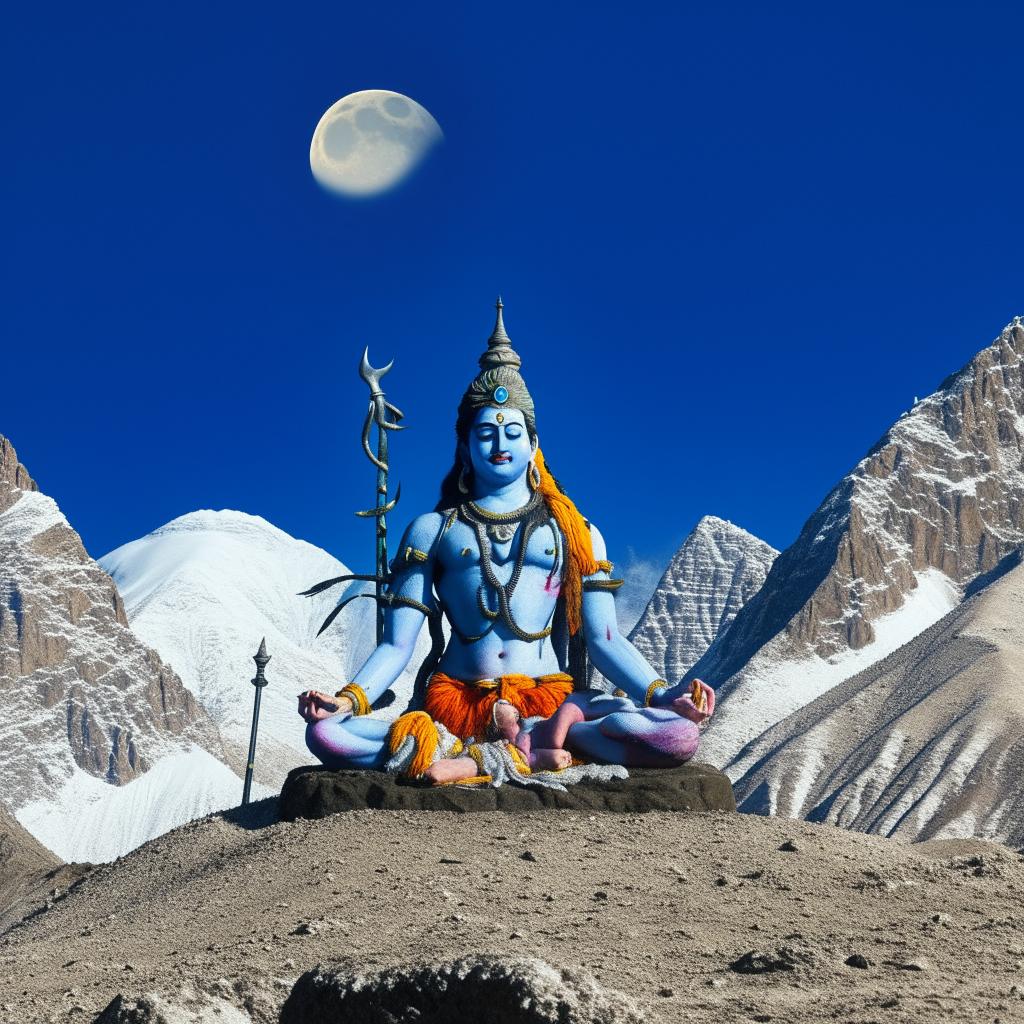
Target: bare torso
(460, 583)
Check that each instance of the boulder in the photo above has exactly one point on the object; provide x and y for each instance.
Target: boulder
(314, 791)
(480, 988)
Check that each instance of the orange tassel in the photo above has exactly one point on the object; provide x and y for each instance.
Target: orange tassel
(419, 725)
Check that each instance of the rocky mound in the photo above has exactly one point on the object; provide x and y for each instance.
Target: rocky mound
(29, 873)
(315, 792)
(484, 988)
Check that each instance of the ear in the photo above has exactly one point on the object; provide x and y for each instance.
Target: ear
(534, 443)
(464, 456)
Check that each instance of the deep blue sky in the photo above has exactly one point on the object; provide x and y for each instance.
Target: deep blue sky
(734, 243)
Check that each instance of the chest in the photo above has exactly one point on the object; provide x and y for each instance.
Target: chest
(460, 549)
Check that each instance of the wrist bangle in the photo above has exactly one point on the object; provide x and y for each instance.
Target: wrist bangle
(356, 694)
(658, 684)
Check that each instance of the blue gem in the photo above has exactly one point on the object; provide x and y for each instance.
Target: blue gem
(501, 394)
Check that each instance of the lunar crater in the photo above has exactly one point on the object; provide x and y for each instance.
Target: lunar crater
(369, 141)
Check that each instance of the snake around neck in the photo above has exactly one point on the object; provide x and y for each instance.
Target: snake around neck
(502, 528)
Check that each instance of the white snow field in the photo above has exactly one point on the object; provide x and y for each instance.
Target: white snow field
(90, 820)
(204, 589)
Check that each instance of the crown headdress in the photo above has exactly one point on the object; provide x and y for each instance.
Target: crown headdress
(499, 382)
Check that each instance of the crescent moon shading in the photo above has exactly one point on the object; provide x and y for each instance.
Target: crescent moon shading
(368, 142)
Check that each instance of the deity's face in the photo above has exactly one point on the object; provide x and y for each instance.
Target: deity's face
(498, 448)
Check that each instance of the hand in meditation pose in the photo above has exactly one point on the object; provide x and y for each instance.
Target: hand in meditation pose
(524, 582)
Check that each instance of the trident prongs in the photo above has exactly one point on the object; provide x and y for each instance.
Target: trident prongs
(372, 375)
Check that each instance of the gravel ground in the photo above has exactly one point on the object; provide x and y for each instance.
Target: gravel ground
(662, 907)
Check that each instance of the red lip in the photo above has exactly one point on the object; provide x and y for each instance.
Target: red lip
(500, 457)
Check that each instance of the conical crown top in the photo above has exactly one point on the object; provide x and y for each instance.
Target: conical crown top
(499, 346)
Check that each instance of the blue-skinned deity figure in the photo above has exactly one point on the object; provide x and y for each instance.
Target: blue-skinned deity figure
(527, 590)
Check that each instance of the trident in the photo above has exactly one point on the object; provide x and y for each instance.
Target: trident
(382, 413)
(378, 413)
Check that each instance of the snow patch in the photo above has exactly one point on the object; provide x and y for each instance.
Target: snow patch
(204, 589)
(90, 820)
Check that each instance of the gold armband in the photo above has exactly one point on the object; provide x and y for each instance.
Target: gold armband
(658, 684)
(356, 694)
(409, 556)
(613, 585)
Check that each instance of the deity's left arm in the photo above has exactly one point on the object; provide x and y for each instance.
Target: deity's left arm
(612, 654)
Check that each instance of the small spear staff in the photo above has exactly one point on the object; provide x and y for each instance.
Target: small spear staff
(261, 658)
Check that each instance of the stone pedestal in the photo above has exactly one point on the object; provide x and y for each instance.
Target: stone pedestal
(315, 792)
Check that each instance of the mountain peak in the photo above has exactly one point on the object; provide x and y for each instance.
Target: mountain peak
(716, 569)
(100, 705)
(14, 477)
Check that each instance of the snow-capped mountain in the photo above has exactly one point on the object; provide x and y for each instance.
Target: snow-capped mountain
(204, 589)
(928, 743)
(90, 713)
(718, 568)
(936, 502)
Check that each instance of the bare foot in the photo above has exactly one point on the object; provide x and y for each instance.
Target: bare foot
(451, 769)
(550, 760)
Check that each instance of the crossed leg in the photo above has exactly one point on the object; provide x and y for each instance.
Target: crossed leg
(645, 738)
(343, 742)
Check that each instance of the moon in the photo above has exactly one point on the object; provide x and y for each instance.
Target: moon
(369, 141)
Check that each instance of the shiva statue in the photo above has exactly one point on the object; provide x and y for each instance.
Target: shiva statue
(525, 585)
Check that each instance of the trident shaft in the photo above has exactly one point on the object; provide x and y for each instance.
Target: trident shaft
(386, 417)
(382, 413)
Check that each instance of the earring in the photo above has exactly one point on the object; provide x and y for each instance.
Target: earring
(462, 481)
(533, 477)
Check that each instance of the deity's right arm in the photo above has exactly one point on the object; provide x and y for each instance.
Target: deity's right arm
(412, 580)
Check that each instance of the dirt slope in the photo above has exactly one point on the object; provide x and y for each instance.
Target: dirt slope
(656, 906)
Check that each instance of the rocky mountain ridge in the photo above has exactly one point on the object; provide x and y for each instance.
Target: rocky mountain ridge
(938, 501)
(87, 707)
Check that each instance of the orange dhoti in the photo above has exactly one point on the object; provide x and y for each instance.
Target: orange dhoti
(465, 709)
